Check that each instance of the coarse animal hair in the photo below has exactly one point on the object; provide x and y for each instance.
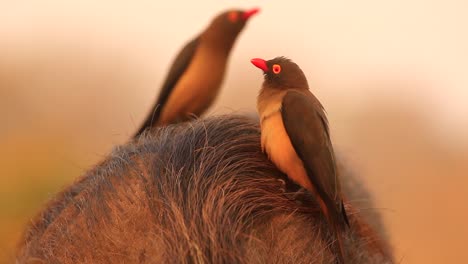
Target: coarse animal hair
(195, 192)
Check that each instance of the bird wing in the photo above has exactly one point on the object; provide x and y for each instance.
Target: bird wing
(307, 126)
(178, 68)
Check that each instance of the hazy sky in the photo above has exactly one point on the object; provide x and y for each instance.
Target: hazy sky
(350, 50)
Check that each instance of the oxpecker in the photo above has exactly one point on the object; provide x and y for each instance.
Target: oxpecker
(296, 138)
(195, 77)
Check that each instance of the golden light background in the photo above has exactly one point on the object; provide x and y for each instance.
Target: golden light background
(78, 77)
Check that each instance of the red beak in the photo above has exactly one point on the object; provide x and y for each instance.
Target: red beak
(249, 13)
(260, 63)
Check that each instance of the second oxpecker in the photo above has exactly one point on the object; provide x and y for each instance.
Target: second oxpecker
(196, 75)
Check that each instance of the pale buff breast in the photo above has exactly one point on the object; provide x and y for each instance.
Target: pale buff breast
(197, 88)
(276, 143)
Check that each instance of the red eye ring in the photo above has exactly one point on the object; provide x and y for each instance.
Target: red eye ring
(233, 16)
(276, 68)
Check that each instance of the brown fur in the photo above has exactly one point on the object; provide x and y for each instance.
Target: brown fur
(199, 192)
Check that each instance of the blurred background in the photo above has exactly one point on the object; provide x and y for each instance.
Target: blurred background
(78, 77)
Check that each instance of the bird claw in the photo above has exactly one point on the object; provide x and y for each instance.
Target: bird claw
(282, 185)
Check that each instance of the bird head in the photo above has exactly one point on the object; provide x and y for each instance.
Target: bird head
(234, 20)
(226, 26)
(281, 73)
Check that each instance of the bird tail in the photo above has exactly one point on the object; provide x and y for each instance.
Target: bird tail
(151, 120)
(338, 232)
(338, 221)
(345, 215)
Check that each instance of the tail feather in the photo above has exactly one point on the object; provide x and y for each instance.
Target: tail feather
(345, 215)
(338, 232)
(337, 220)
(151, 120)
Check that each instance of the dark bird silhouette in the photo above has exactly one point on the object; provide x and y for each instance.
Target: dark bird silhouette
(296, 138)
(195, 77)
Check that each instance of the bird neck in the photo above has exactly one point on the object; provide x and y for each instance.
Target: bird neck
(220, 45)
(269, 101)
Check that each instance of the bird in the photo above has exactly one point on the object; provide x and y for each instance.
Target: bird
(295, 136)
(195, 77)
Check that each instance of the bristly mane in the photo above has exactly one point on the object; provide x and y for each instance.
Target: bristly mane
(199, 192)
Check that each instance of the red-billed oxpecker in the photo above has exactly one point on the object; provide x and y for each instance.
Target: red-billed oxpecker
(296, 138)
(196, 75)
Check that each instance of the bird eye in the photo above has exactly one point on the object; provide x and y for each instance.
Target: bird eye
(276, 69)
(233, 16)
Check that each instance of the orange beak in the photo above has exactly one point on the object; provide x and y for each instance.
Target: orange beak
(260, 63)
(247, 14)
